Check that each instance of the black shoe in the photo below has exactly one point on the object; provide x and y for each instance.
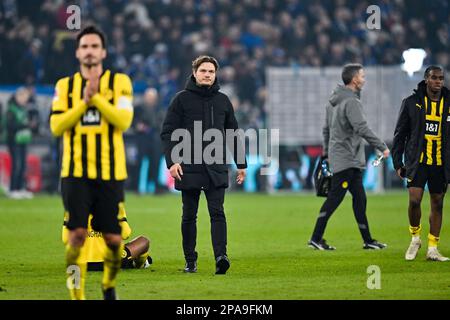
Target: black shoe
(222, 264)
(321, 245)
(374, 245)
(149, 260)
(190, 267)
(110, 294)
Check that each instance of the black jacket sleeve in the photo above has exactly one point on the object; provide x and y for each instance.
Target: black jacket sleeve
(402, 130)
(172, 121)
(238, 145)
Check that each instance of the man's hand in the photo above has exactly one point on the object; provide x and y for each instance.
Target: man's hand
(86, 94)
(92, 84)
(176, 171)
(386, 153)
(241, 176)
(401, 173)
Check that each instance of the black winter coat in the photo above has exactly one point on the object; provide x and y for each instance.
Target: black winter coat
(410, 131)
(214, 110)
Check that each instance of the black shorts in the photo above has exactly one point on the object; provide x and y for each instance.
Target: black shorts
(100, 198)
(98, 266)
(434, 176)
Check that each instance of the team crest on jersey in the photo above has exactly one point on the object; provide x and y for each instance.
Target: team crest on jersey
(91, 117)
(345, 184)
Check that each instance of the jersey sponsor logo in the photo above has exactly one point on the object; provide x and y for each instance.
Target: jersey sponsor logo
(432, 128)
(91, 117)
(95, 234)
(125, 92)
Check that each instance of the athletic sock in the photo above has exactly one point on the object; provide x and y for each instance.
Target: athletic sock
(432, 241)
(111, 265)
(76, 273)
(415, 231)
(140, 261)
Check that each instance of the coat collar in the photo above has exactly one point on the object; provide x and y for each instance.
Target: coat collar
(192, 86)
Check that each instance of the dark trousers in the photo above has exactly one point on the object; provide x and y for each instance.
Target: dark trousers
(215, 198)
(18, 153)
(351, 180)
(150, 146)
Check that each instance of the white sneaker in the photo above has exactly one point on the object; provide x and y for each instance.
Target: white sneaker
(413, 249)
(26, 194)
(434, 255)
(15, 195)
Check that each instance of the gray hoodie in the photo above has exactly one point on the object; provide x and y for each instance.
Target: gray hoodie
(344, 131)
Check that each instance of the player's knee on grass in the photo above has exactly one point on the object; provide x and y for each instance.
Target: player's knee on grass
(145, 243)
(138, 246)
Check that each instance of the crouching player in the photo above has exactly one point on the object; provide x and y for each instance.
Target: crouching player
(134, 255)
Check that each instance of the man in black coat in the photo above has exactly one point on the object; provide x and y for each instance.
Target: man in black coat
(422, 137)
(201, 109)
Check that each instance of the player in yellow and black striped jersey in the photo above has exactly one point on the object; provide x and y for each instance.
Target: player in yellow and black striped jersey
(421, 155)
(134, 255)
(432, 145)
(91, 109)
(93, 146)
(430, 169)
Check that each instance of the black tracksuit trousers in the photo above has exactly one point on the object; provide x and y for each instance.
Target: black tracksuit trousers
(351, 180)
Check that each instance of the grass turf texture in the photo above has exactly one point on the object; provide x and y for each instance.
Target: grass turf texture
(267, 238)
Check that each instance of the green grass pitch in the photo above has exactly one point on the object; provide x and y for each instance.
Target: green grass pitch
(267, 238)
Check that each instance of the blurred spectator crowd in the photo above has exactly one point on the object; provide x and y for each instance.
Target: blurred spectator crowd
(154, 41)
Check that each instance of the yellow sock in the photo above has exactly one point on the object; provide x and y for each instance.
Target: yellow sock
(76, 273)
(432, 241)
(140, 261)
(415, 231)
(111, 266)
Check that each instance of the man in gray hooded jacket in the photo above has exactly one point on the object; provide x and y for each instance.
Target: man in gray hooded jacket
(344, 131)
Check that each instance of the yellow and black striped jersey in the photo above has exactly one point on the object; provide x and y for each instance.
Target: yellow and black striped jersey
(432, 148)
(92, 134)
(94, 247)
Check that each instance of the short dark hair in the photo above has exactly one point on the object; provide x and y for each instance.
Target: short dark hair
(202, 59)
(350, 71)
(432, 68)
(91, 30)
